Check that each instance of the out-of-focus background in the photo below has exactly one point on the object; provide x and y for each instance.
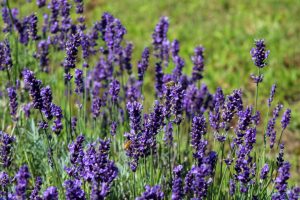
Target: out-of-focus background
(227, 29)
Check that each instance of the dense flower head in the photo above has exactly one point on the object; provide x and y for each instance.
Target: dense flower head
(57, 123)
(37, 187)
(154, 192)
(71, 51)
(5, 55)
(259, 53)
(177, 95)
(22, 178)
(197, 181)
(272, 93)
(159, 75)
(198, 60)
(286, 118)
(127, 53)
(46, 95)
(159, 37)
(114, 90)
(79, 81)
(34, 86)
(96, 105)
(50, 193)
(6, 144)
(177, 183)
(40, 3)
(135, 115)
(13, 102)
(264, 172)
(74, 190)
(32, 21)
(143, 64)
(54, 6)
(281, 181)
(43, 52)
(294, 193)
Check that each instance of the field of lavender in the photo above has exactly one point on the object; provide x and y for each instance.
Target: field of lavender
(88, 114)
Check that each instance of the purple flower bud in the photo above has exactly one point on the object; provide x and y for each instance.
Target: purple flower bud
(177, 184)
(259, 53)
(46, 95)
(79, 81)
(13, 102)
(264, 172)
(154, 192)
(159, 75)
(272, 93)
(6, 144)
(114, 89)
(73, 190)
(96, 105)
(5, 56)
(282, 178)
(57, 123)
(135, 115)
(34, 86)
(286, 118)
(37, 187)
(50, 193)
(198, 60)
(22, 178)
(143, 64)
(40, 3)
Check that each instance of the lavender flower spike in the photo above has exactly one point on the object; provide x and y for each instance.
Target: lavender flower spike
(259, 53)
(286, 118)
(51, 193)
(272, 93)
(198, 60)
(13, 103)
(152, 193)
(6, 142)
(177, 184)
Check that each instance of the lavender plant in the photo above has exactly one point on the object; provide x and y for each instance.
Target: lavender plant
(94, 137)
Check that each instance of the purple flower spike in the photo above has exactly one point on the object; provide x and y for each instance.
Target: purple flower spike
(259, 53)
(281, 181)
(79, 81)
(143, 64)
(272, 93)
(264, 172)
(34, 86)
(37, 187)
(198, 60)
(135, 115)
(5, 56)
(154, 192)
(50, 193)
(73, 190)
(286, 118)
(6, 144)
(177, 184)
(22, 178)
(40, 3)
(13, 102)
(114, 90)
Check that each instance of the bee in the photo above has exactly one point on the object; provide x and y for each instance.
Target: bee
(170, 84)
(127, 144)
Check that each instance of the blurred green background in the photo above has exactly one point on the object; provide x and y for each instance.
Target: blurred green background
(227, 29)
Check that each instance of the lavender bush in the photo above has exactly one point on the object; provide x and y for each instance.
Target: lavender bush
(77, 126)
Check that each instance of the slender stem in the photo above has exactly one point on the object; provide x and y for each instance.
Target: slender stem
(280, 138)
(256, 96)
